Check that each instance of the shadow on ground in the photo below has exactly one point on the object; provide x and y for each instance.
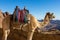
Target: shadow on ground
(21, 35)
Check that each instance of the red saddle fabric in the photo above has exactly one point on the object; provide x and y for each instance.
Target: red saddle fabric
(21, 14)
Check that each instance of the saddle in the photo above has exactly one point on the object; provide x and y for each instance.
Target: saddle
(20, 15)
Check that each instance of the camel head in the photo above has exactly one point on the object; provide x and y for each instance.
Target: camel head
(50, 15)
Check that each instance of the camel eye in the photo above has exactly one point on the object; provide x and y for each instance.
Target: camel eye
(49, 17)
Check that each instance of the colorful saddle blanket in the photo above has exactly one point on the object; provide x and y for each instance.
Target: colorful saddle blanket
(21, 16)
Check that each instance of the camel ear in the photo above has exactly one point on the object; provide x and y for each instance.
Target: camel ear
(52, 13)
(53, 16)
(48, 13)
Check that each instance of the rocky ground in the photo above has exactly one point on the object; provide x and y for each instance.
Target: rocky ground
(21, 35)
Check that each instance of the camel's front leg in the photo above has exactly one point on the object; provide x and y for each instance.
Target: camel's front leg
(30, 35)
(5, 34)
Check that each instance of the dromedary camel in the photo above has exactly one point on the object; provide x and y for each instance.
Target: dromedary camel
(33, 23)
(2, 17)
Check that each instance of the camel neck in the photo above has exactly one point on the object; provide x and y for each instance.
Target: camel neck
(46, 20)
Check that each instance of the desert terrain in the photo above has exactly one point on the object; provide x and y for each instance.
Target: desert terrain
(21, 35)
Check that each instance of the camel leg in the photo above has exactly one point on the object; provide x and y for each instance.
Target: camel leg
(30, 35)
(5, 34)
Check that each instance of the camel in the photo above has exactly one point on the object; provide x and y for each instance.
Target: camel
(32, 24)
(2, 16)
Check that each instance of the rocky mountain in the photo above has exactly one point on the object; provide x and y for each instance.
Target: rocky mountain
(54, 24)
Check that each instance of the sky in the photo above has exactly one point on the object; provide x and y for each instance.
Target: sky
(37, 8)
